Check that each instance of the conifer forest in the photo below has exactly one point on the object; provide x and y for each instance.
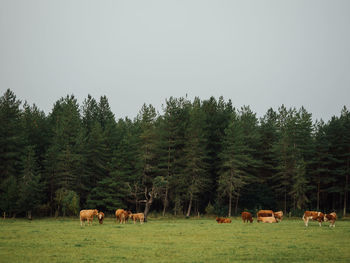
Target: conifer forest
(188, 158)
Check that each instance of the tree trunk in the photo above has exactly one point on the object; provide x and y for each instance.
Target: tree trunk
(165, 200)
(149, 202)
(285, 200)
(345, 194)
(318, 194)
(236, 206)
(189, 207)
(29, 214)
(229, 205)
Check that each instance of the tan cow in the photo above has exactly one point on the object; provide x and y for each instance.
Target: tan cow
(268, 219)
(122, 215)
(266, 216)
(87, 215)
(138, 216)
(278, 215)
(313, 215)
(331, 218)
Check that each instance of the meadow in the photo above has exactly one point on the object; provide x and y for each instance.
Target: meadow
(172, 240)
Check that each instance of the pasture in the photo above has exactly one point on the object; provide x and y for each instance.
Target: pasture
(172, 240)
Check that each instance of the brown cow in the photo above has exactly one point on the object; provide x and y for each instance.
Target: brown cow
(222, 220)
(227, 220)
(278, 215)
(100, 217)
(87, 215)
(265, 216)
(246, 216)
(331, 218)
(314, 215)
(138, 216)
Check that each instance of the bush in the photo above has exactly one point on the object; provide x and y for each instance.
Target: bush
(210, 210)
(67, 202)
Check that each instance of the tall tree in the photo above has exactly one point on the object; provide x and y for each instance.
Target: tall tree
(30, 185)
(11, 144)
(11, 137)
(236, 161)
(195, 153)
(64, 158)
(148, 154)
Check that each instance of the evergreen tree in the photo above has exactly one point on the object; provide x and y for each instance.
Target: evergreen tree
(148, 154)
(11, 137)
(11, 144)
(322, 160)
(64, 156)
(235, 162)
(195, 171)
(30, 185)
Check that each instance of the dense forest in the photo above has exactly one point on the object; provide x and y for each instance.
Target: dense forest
(196, 157)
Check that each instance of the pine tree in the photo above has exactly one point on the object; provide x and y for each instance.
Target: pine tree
(11, 144)
(235, 161)
(11, 138)
(64, 156)
(30, 185)
(148, 154)
(321, 160)
(195, 153)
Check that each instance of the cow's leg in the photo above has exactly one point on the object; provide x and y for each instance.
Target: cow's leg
(306, 221)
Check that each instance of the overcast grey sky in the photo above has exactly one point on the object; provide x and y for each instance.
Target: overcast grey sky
(257, 53)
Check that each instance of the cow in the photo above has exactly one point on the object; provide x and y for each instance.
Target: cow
(138, 216)
(227, 220)
(122, 215)
(222, 220)
(246, 216)
(219, 220)
(268, 219)
(314, 215)
(278, 215)
(331, 218)
(265, 216)
(87, 215)
(100, 217)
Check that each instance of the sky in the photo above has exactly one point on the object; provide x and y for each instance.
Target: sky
(257, 53)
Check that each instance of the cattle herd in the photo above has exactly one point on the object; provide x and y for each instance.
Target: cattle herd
(265, 216)
(268, 216)
(121, 216)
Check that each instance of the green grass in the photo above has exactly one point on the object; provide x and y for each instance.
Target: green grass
(172, 240)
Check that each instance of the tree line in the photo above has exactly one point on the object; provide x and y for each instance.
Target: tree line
(196, 157)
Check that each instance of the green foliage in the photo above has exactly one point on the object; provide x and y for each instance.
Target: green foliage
(210, 210)
(30, 185)
(193, 154)
(11, 137)
(67, 201)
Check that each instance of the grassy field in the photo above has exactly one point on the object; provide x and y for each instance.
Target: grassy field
(172, 240)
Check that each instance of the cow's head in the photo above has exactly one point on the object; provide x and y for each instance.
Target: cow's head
(251, 220)
(100, 216)
(95, 212)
